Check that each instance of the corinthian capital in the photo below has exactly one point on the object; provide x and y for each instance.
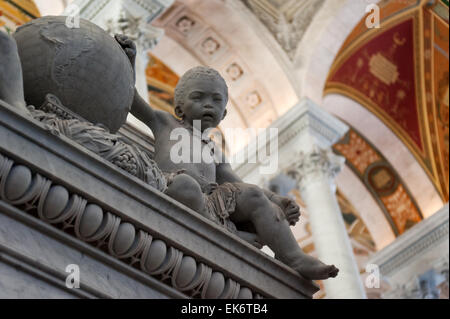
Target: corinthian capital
(136, 28)
(318, 163)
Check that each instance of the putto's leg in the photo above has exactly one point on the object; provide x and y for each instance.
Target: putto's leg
(187, 191)
(251, 238)
(11, 81)
(273, 229)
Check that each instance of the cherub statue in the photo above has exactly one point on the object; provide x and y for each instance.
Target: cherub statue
(212, 188)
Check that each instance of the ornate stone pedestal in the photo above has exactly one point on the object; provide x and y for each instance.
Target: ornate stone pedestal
(62, 205)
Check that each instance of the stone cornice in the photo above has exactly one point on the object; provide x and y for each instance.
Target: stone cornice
(135, 217)
(308, 117)
(413, 243)
(148, 9)
(305, 118)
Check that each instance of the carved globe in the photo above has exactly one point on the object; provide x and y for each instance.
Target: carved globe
(84, 67)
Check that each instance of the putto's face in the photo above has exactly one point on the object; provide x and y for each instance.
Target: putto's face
(205, 100)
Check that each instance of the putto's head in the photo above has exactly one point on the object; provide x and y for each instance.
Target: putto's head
(201, 94)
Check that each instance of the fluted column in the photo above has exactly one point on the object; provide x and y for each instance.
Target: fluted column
(315, 172)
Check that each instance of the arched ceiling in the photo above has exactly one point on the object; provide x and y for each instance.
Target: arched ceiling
(400, 73)
(396, 153)
(347, 18)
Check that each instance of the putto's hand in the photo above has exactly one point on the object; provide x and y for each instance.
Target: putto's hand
(291, 210)
(128, 46)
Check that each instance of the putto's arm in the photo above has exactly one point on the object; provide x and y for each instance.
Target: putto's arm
(143, 111)
(140, 108)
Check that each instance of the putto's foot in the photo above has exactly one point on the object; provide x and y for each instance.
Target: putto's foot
(312, 268)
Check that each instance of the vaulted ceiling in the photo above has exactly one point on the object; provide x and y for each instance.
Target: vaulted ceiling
(400, 74)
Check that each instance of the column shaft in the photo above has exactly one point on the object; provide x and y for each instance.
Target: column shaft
(141, 75)
(316, 171)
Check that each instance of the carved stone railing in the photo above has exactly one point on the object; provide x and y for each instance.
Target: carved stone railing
(60, 203)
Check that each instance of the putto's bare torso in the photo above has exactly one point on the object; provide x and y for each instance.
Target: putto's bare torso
(203, 172)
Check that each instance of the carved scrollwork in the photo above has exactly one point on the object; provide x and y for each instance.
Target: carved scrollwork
(92, 223)
(96, 138)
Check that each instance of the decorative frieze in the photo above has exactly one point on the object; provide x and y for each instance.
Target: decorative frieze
(57, 205)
